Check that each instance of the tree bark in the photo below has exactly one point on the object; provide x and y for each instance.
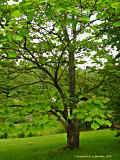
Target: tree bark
(73, 134)
(76, 133)
(73, 124)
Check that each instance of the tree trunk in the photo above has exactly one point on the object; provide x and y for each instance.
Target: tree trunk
(73, 134)
(73, 125)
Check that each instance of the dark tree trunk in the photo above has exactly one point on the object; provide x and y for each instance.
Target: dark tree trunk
(69, 134)
(76, 133)
(73, 125)
(73, 134)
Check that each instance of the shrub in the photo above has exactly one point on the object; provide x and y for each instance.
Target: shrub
(3, 135)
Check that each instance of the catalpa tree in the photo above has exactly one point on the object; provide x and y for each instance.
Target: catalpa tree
(51, 38)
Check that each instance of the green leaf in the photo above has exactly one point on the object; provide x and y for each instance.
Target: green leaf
(95, 125)
(10, 36)
(47, 108)
(12, 92)
(81, 116)
(96, 101)
(115, 5)
(117, 24)
(106, 100)
(41, 126)
(68, 20)
(108, 123)
(98, 120)
(80, 96)
(11, 54)
(74, 25)
(18, 37)
(84, 18)
(88, 119)
(28, 2)
(108, 64)
(82, 62)
(71, 117)
(75, 111)
(17, 14)
(49, 13)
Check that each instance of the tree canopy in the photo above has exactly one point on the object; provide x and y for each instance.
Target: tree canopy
(43, 45)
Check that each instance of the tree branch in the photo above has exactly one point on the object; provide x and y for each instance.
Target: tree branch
(97, 86)
(26, 84)
(58, 65)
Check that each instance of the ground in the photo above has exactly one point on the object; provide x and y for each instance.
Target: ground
(93, 144)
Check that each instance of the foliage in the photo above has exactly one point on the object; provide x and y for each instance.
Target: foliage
(42, 46)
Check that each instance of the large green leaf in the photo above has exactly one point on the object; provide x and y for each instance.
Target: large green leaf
(18, 37)
(117, 24)
(115, 5)
(95, 125)
(108, 123)
(47, 108)
(11, 54)
(88, 119)
(17, 14)
(84, 18)
(10, 36)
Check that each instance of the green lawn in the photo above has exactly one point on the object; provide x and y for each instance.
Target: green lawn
(92, 143)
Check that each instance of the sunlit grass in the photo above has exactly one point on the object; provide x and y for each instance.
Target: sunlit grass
(92, 143)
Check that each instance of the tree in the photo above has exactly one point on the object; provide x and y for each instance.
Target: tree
(111, 28)
(45, 36)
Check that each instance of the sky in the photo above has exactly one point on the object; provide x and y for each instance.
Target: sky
(10, 2)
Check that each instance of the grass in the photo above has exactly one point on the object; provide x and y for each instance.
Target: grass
(92, 143)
